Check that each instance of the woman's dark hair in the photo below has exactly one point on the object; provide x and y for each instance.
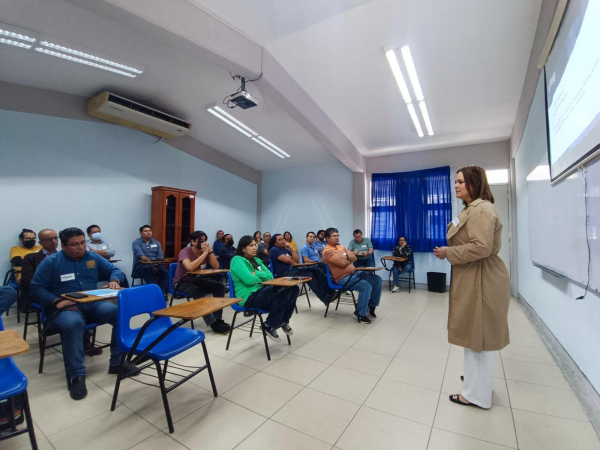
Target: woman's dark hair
(400, 237)
(217, 235)
(287, 232)
(244, 242)
(330, 231)
(273, 240)
(68, 233)
(197, 235)
(25, 230)
(255, 233)
(477, 183)
(89, 229)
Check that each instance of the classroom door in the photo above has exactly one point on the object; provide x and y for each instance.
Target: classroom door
(501, 197)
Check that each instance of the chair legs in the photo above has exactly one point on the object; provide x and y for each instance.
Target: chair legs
(210, 372)
(305, 291)
(28, 420)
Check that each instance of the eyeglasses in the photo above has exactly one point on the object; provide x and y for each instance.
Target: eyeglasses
(335, 236)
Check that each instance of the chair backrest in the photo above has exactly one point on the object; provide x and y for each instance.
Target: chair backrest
(231, 288)
(133, 302)
(271, 267)
(172, 270)
(10, 279)
(330, 282)
(1, 324)
(412, 260)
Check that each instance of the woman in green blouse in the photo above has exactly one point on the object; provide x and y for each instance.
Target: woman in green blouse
(248, 272)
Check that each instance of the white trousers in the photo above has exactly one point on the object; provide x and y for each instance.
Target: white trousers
(479, 377)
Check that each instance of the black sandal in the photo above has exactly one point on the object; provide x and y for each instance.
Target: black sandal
(456, 399)
(462, 378)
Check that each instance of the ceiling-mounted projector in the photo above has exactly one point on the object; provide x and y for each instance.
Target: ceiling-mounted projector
(241, 97)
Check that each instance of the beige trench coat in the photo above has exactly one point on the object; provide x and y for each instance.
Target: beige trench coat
(480, 284)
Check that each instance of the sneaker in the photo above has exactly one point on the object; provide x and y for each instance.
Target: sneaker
(272, 333)
(396, 289)
(220, 327)
(371, 312)
(287, 329)
(363, 319)
(78, 389)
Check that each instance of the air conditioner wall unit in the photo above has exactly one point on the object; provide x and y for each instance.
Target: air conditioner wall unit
(128, 113)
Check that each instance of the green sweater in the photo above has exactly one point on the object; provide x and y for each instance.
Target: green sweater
(244, 282)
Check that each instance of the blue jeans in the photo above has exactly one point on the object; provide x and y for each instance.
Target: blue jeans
(364, 263)
(278, 302)
(396, 272)
(71, 325)
(161, 277)
(8, 296)
(368, 288)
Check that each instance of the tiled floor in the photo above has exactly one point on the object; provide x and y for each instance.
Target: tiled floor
(339, 385)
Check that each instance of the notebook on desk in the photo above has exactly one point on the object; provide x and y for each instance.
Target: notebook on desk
(104, 293)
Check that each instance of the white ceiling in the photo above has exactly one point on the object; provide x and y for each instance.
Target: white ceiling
(175, 80)
(471, 57)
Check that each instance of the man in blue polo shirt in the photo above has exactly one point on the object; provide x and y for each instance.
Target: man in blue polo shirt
(309, 252)
(71, 270)
(146, 249)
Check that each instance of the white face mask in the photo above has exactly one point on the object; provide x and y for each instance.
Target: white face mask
(97, 236)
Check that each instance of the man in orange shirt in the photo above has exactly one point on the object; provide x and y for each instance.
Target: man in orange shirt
(340, 265)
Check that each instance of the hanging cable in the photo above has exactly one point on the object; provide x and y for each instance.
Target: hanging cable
(587, 230)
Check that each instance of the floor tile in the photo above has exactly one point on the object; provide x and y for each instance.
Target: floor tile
(454, 385)
(296, 369)
(545, 400)
(428, 337)
(534, 373)
(362, 361)
(436, 356)
(159, 441)
(371, 429)
(321, 351)
(255, 357)
(415, 373)
(541, 432)
(527, 354)
(526, 340)
(493, 425)
(218, 425)
(339, 337)
(319, 415)
(227, 374)
(308, 330)
(380, 345)
(117, 430)
(275, 436)
(345, 383)
(403, 400)
(263, 394)
(444, 440)
(129, 389)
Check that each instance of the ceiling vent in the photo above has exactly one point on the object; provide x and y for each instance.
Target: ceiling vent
(131, 114)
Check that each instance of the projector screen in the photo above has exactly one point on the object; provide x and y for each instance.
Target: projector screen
(573, 89)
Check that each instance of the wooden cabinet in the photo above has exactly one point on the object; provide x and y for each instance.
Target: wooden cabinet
(173, 212)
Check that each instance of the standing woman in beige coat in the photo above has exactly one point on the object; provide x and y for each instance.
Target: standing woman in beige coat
(479, 286)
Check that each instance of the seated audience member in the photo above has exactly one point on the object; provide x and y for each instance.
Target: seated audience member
(71, 270)
(227, 251)
(248, 272)
(8, 297)
(290, 240)
(18, 252)
(309, 252)
(402, 250)
(320, 242)
(145, 249)
(96, 244)
(282, 255)
(257, 237)
(218, 242)
(263, 249)
(197, 256)
(363, 250)
(340, 265)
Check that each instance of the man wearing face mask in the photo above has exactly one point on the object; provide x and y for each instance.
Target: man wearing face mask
(227, 252)
(197, 256)
(96, 244)
(18, 252)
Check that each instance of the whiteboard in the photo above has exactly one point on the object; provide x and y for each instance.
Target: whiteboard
(557, 214)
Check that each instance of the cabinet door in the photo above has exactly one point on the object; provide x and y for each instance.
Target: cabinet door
(171, 235)
(186, 221)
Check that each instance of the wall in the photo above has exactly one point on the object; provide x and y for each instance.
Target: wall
(308, 199)
(57, 172)
(574, 323)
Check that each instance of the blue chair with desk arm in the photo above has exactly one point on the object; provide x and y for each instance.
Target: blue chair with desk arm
(303, 289)
(404, 277)
(340, 288)
(158, 340)
(14, 383)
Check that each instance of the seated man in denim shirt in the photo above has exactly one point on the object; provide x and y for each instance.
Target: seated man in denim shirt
(71, 270)
(309, 251)
(146, 249)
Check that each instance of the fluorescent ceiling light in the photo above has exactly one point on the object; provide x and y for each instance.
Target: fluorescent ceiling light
(425, 115)
(83, 61)
(15, 43)
(19, 36)
(98, 59)
(412, 72)
(393, 61)
(415, 119)
(499, 176)
(247, 131)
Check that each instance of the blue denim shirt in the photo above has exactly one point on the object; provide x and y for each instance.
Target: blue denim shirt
(152, 249)
(60, 274)
(311, 252)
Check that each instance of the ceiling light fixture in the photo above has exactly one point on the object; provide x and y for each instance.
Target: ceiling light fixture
(83, 61)
(247, 131)
(415, 118)
(425, 114)
(19, 36)
(412, 72)
(15, 43)
(393, 61)
(91, 57)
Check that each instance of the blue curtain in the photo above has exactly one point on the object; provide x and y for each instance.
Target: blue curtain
(417, 205)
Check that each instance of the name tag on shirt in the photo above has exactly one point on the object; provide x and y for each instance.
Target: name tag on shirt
(104, 247)
(364, 246)
(67, 277)
(455, 221)
(153, 246)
